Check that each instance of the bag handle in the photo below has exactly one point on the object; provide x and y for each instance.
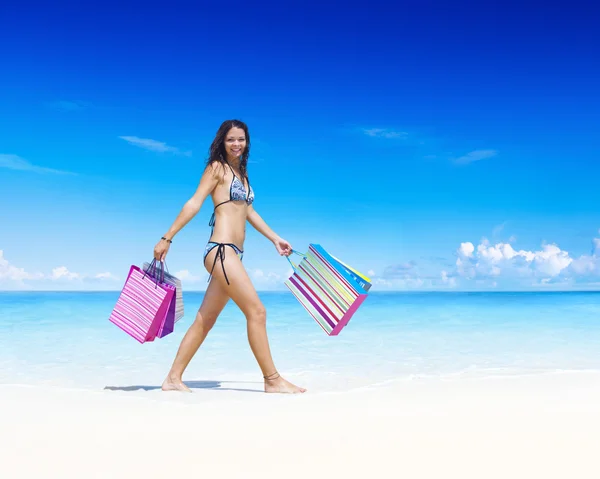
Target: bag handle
(152, 267)
(290, 261)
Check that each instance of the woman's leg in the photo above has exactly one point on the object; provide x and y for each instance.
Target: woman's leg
(213, 303)
(242, 291)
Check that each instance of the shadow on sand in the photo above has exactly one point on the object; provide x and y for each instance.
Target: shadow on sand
(192, 385)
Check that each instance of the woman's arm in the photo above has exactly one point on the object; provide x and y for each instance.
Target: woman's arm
(207, 184)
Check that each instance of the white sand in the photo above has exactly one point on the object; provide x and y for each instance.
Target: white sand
(519, 427)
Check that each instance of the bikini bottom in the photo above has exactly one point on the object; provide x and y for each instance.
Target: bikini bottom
(221, 254)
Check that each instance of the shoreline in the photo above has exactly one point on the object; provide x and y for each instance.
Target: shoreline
(319, 383)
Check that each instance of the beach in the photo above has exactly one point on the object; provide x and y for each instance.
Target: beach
(519, 427)
(417, 385)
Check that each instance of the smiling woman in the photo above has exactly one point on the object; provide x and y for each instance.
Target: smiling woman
(226, 179)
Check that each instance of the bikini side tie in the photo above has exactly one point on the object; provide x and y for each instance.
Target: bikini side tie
(221, 254)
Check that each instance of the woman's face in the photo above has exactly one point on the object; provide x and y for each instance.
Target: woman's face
(235, 143)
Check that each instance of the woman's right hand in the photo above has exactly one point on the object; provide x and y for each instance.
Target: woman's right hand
(161, 249)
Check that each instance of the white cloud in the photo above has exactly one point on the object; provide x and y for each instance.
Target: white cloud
(259, 274)
(466, 249)
(409, 276)
(12, 273)
(187, 277)
(584, 265)
(106, 276)
(401, 270)
(449, 280)
(596, 246)
(13, 277)
(14, 162)
(153, 145)
(551, 260)
(62, 272)
(549, 264)
(371, 273)
(267, 280)
(588, 265)
(395, 284)
(476, 155)
(500, 252)
(384, 133)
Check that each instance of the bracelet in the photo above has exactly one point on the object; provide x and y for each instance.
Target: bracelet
(163, 238)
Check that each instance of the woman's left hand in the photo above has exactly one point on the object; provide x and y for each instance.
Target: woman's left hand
(283, 247)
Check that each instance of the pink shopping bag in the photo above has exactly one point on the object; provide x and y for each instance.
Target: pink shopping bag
(167, 324)
(142, 306)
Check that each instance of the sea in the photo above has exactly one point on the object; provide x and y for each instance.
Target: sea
(64, 340)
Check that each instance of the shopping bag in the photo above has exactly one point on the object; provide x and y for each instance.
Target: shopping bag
(142, 305)
(328, 289)
(167, 324)
(173, 281)
(364, 281)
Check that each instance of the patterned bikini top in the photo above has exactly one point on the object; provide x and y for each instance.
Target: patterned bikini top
(237, 192)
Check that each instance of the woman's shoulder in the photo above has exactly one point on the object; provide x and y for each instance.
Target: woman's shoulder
(216, 169)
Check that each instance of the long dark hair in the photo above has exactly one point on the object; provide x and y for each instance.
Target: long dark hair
(217, 151)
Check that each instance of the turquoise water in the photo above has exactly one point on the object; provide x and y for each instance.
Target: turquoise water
(65, 340)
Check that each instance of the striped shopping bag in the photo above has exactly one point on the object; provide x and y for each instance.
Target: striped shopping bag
(143, 305)
(330, 290)
(175, 311)
(173, 281)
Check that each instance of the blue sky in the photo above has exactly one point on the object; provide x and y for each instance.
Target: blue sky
(431, 145)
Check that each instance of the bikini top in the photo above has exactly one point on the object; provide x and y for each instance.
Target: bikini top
(237, 192)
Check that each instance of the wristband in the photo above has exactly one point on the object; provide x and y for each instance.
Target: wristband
(163, 238)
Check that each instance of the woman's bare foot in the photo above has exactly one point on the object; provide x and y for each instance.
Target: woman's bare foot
(175, 384)
(276, 384)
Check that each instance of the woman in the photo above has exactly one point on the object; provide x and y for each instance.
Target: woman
(225, 178)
